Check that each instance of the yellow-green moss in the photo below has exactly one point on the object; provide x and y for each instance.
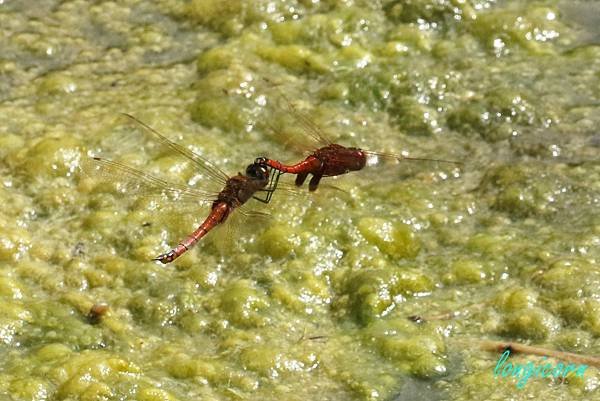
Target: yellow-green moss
(394, 239)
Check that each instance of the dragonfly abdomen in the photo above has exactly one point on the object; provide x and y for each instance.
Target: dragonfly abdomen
(219, 213)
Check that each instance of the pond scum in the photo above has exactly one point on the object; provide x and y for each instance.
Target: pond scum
(312, 303)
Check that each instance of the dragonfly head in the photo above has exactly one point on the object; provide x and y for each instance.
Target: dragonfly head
(258, 171)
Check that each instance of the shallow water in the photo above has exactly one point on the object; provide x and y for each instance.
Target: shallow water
(313, 301)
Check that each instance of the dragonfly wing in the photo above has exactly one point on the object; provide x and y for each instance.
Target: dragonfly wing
(228, 235)
(291, 142)
(400, 158)
(312, 129)
(136, 182)
(211, 169)
(309, 126)
(255, 215)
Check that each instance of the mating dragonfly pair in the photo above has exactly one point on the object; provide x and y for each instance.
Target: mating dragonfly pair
(259, 181)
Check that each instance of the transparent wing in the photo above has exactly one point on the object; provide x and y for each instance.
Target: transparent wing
(307, 124)
(291, 142)
(254, 215)
(239, 223)
(400, 157)
(212, 170)
(312, 129)
(135, 182)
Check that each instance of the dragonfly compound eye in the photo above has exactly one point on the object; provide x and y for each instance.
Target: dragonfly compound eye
(258, 171)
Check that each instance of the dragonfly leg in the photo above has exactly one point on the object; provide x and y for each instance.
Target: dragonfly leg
(271, 187)
(273, 184)
(314, 182)
(300, 178)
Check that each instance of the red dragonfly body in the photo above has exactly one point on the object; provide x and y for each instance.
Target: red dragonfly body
(328, 161)
(236, 190)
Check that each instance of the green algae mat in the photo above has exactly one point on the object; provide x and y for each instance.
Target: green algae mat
(381, 285)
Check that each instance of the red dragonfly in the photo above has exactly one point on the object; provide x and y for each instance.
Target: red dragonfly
(330, 159)
(237, 190)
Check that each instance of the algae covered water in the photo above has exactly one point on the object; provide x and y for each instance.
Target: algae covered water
(314, 301)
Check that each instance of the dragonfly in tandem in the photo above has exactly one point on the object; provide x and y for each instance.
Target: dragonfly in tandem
(262, 176)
